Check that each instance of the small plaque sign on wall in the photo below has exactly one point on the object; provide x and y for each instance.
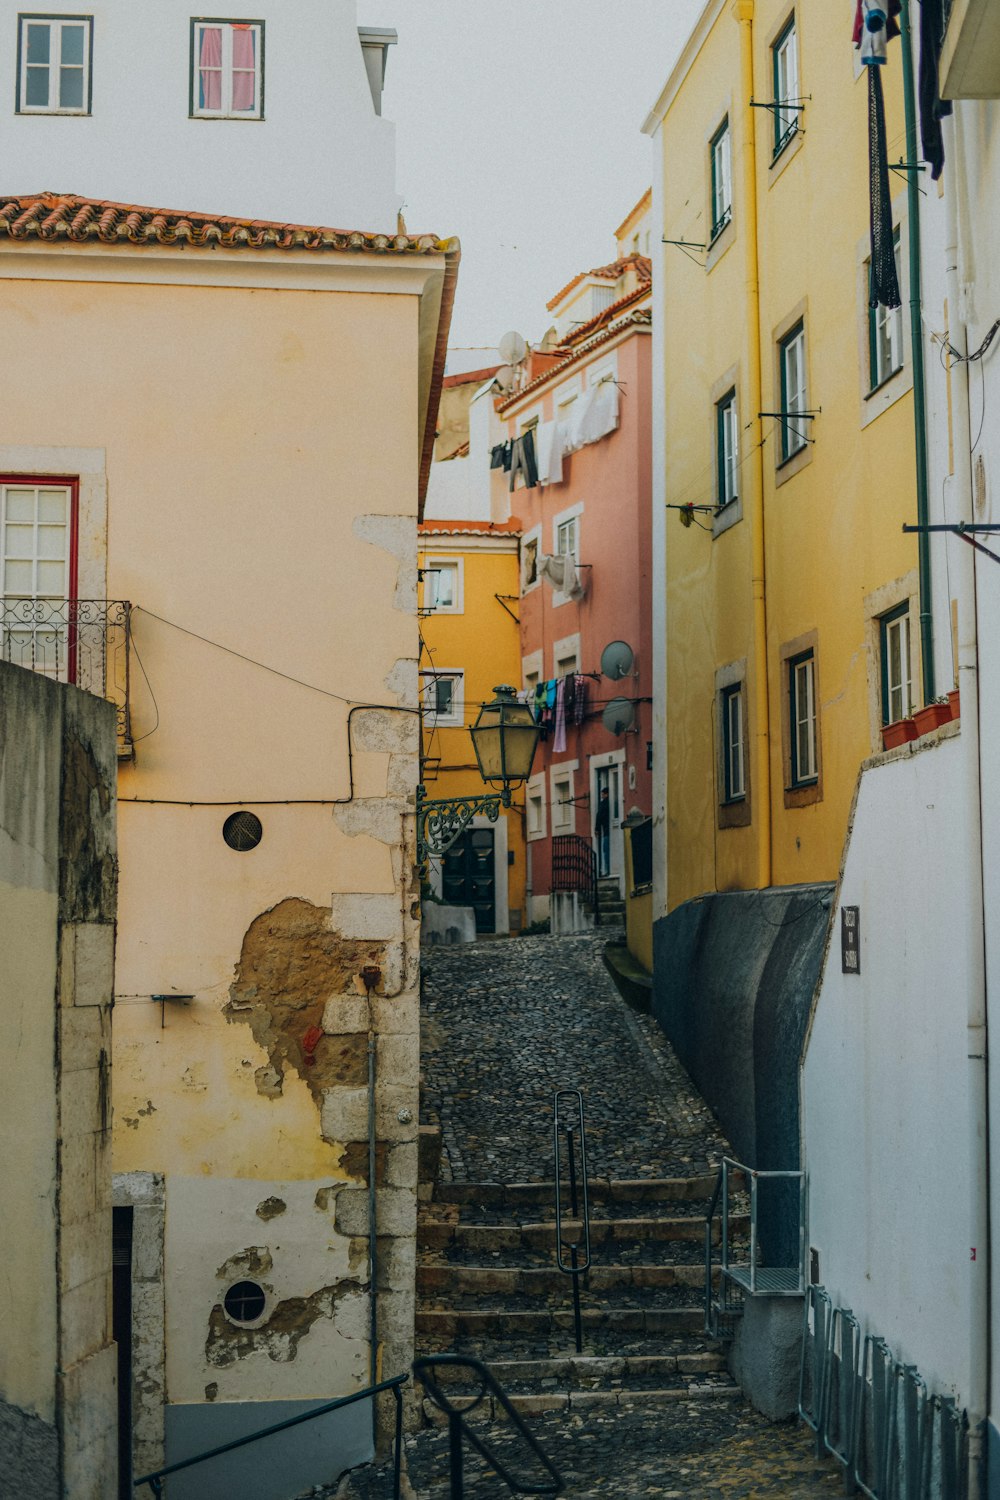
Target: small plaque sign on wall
(850, 939)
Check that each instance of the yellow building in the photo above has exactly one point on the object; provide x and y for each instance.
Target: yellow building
(470, 644)
(244, 464)
(789, 605)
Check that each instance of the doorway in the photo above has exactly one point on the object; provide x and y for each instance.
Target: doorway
(609, 778)
(121, 1331)
(468, 876)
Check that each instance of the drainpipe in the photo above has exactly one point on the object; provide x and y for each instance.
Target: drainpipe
(743, 12)
(917, 355)
(963, 569)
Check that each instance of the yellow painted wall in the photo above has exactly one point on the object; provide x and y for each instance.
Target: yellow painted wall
(483, 641)
(832, 530)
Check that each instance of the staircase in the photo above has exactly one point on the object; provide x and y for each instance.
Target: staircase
(488, 1285)
(610, 901)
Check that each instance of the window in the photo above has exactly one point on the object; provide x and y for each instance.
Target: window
(601, 298)
(36, 544)
(885, 333)
(722, 180)
(568, 538)
(733, 744)
(534, 803)
(802, 718)
(785, 57)
(564, 410)
(529, 560)
(894, 638)
(227, 70)
(54, 65)
(563, 810)
(792, 354)
(443, 697)
(727, 450)
(443, 585)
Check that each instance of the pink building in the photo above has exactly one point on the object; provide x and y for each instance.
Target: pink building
(578, 447)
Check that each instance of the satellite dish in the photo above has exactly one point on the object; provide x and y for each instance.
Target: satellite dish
(619, 715)
(512, 348)
(506, 377)
(617, 660)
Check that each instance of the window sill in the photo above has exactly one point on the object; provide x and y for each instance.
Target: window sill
(720, 244)
(726, 516)
(786, 153)
(886, 380)
(735, 814)
(803, 793)
(790, 466)
(71, 114)
(230, 119)
(882, 397)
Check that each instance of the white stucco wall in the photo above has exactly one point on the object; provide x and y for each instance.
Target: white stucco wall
(884, 1085)
(319, 155)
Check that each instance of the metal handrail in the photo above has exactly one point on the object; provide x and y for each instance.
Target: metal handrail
(574, 868)
(572, 1122)
(155, 1480)
(458, 1427)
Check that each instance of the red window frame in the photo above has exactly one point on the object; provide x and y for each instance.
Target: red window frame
(72, 483)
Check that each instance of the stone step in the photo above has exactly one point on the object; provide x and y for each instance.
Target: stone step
(495, 1238)
(439, 1326)
(481, 1413)
(600, 1190)
(443, 1281)
(582, 1372)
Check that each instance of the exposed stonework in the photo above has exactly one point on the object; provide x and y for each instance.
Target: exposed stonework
(397, 535)
(271, 1208)
(280, 1336)
(254, 1261)
(292, 961)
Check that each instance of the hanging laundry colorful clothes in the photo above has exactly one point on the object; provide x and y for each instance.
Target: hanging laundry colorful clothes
(875, 24)
(580, 703)
(559, 739)
(570, 698)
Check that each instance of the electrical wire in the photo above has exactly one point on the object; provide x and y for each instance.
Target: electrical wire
(156, 707)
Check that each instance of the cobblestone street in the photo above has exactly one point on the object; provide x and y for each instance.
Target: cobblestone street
(504, 1026)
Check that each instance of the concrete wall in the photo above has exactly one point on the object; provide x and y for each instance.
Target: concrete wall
(320, 155)
(264, 525)
(58, 1416)
(734, 976)
(884, 1081)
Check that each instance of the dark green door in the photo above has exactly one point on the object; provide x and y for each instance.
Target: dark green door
(469, 877)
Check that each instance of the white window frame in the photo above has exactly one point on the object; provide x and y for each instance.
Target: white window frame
(562, 519)
(897, 624)
(55, 65)
(532, 537)
(66, 526)
(721, 179)
(226, 112)
(430, 676)
(886, 348)
(429, 568)
(728, 456)
(565, 650)
(794, 391)
(534, 793)
(802, 719)
(786, 85)
(563, 774)
(42, 646)
(734, 744)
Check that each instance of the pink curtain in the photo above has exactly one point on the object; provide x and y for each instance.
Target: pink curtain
(244, 68)
(210, 64)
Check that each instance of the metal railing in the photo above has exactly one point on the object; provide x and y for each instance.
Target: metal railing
(762, 1273)
(155, 1480)
(81, 641)
(459, 1427)
(568, 1123)
(875, 1415)
(574, 868)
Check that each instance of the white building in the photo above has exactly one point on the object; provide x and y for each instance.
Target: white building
(274, 115)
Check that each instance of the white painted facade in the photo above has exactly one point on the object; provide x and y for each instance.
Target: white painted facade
(309, 148)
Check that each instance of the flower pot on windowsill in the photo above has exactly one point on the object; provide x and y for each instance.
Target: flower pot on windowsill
(954, 703)
(898, 733)
(932, 716)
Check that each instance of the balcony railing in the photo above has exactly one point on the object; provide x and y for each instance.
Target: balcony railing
(82, 641)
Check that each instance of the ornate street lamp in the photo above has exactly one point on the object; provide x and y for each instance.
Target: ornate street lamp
(504, 737)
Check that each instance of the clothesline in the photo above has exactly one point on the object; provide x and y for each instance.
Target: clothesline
(537, 455)
(558, 702)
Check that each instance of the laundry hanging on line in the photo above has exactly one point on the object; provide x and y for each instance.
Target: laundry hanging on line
(523, 462)
(874, 25)
(932, 107)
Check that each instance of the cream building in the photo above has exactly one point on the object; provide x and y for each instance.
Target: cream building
(216, 447)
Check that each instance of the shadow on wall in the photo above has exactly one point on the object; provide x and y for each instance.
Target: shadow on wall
(733, 979)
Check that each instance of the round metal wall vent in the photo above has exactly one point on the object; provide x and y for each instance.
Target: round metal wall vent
(242, 831)
(245, 1302)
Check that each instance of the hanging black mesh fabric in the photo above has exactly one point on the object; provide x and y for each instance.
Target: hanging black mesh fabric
(883, 287)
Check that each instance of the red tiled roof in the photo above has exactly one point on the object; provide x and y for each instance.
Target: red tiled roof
(471, 528)
(66, 217)
(642, 263)
(60, 218)
(639, 317)
(466, 377)
(586, 330)
(633, 212)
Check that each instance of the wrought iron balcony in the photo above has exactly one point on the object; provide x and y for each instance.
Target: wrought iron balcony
(82, 641)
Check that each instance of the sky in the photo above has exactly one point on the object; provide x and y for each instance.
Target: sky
(519, 129)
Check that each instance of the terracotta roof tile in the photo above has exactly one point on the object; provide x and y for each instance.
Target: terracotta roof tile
(642, 263)
(638, 317)
(66, 218)
(471, 528)
(608, 315)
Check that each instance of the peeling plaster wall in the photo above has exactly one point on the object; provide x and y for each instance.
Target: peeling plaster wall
(251, 535)
(58, 1413)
